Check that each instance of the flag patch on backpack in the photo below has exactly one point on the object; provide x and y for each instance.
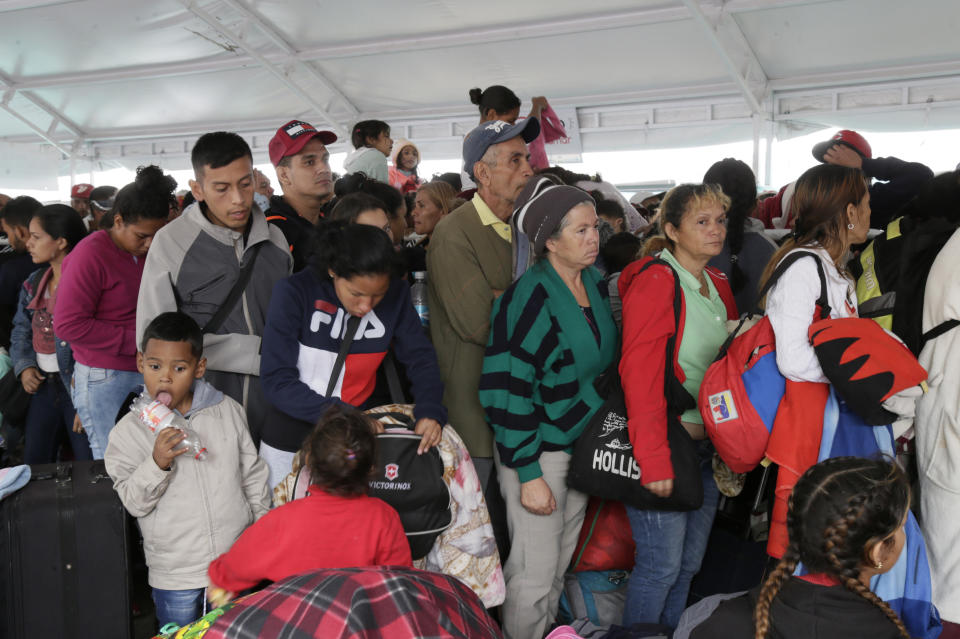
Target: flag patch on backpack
(722, 407)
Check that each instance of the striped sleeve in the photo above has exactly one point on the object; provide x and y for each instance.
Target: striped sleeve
(525, 371)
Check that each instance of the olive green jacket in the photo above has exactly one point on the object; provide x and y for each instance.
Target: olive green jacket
(466, 262)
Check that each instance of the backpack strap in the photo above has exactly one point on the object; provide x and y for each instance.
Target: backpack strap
(722, 284)
(234, 295)
(787, 262)
(352, 323)
(677, 303)
(938, 330)
(677, 396)
(397, 395)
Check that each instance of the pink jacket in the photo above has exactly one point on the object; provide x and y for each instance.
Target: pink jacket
(551, 130)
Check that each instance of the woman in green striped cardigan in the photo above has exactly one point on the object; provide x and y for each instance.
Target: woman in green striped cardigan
(552, 334)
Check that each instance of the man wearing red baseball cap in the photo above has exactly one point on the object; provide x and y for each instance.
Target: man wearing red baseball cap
(896, 181)
(299, 153)
(80, 198)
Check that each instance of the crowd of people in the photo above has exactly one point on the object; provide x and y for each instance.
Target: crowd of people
(264, 320)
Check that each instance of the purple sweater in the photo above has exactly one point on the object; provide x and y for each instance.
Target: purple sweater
(96, 307)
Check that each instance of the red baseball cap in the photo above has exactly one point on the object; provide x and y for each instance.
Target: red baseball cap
(293, 136)
(848, 138)
(81, 191)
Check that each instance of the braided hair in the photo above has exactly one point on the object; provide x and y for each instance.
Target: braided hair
(737, 181)
(838, 510)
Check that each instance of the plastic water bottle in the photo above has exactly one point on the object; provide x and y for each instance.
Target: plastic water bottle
(419, 294)
(156, 416)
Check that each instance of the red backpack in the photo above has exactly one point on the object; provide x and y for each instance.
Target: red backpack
(742, 388)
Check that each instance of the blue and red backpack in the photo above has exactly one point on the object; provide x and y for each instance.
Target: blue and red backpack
(742, 388)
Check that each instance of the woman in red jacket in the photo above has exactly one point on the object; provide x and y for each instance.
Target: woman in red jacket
(669, 544)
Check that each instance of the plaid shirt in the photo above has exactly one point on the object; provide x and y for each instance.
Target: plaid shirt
(360, 603)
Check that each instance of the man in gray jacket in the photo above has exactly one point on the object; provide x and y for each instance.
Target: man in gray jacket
(196, 260)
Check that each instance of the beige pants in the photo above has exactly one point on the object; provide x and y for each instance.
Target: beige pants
(540, 548)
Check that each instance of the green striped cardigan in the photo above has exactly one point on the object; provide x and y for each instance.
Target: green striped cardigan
(540, 364)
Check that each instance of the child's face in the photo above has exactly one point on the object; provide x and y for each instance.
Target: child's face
(408, 158)
(170, 367)
(382, 143)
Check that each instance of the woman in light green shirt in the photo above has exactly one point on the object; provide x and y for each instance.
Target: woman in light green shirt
(670, 545)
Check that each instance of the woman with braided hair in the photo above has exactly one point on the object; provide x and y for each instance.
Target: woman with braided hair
(846, 525)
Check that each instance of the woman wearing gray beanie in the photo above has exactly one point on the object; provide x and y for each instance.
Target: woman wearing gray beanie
(551, 335)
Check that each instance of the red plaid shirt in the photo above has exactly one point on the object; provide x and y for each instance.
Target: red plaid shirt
(360, 603)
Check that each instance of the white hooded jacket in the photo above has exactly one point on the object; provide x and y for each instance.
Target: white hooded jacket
(370, 161)
(194, 512)
(937, 428)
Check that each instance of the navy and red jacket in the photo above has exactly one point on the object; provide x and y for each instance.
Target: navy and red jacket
(301, 340)
(648, 322)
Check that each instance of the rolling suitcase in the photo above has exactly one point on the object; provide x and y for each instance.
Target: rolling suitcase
(64, 547)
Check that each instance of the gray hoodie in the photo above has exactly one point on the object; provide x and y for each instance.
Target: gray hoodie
(194, 512)
(191, 266)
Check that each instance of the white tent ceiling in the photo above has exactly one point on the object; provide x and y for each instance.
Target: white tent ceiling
(118, 82)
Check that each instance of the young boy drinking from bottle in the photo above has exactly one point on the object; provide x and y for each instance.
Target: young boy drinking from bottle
(189, 510)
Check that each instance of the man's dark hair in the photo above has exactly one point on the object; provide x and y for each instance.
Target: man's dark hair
(174, 326)
(217, 149)
(453, 179)
(567, 176)
(102, 193)
(19, 211)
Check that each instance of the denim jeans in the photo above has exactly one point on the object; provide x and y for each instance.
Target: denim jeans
(669, 549)
(98, 394)
(178, 606)
(50, 412)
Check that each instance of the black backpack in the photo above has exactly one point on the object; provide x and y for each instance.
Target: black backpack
(902, 257)
(920, 250)
(413, 484)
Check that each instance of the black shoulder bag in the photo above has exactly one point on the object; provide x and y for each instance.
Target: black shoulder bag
(603, 463)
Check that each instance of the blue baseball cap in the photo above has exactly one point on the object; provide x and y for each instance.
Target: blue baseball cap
(476, 143)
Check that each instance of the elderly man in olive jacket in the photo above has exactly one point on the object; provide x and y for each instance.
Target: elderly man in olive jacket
(469, 265)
